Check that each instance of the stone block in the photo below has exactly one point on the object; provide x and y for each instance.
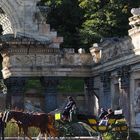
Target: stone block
(58, 40)
(44, 29)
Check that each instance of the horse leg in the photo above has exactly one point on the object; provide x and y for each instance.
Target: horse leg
(39, 135)
(29, 137)
(19, 132)
(46, 136)
(26, 133)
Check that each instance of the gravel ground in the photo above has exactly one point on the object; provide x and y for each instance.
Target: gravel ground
(68, 138)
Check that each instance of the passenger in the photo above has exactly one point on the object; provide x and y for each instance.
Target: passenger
(103, 113)
(110, 114)
(71, 105)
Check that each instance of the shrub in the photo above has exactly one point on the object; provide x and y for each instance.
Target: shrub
(11, 130)
(134, 135)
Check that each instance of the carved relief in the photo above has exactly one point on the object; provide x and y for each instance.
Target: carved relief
(135, 11)
(6, 24)
(135, 20)
(19, 2)
(34, 60)
(117, 48)
(6, 62)
(96, 54)
(137, 100)
(136, 104)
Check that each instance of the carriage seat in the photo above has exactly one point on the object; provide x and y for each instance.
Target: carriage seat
(72, 115)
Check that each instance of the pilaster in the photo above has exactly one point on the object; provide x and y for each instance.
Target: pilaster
(106, 97)
(124, 85)
(15, 92)
(50, 91)
(89, 94)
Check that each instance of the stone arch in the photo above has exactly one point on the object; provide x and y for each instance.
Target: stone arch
(10, 15)
(6, 24)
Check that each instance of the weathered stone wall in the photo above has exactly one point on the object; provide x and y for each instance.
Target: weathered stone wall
(116, 61)
(24, 18)
(44, 62)
(111, 71)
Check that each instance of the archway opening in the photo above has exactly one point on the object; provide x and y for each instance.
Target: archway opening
(33, 96)
(5, 23)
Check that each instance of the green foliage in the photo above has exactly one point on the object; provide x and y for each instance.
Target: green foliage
(109, 136)
(84, 22)
(71, 85)
(66, 17)
(115, 136)
(34, 84)
(134, 135)
(105, 18)
(68, 85)
(11, 130)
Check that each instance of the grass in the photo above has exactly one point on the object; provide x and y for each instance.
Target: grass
(11, 130)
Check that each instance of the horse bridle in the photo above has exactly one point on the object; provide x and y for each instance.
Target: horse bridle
(5, 116)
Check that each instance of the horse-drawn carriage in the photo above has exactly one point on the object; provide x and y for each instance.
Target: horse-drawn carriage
(53, 125)
(116, 126)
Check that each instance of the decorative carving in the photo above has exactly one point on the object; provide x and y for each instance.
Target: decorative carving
(137, 100)
(135, 20)
(41, 14)
(135, 11)
(20, 2)
(96, 53)
(6, 24)
(115, 47)
(34, 60)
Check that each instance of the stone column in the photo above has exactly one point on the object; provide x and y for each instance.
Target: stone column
(15, 92)
(124, 84)
(105, 99)
(89, 93)
(50, 91)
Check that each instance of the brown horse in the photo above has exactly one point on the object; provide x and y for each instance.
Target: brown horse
(43, 121)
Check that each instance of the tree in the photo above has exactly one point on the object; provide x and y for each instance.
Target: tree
(84, 22)
(66, 17)
(105, 18)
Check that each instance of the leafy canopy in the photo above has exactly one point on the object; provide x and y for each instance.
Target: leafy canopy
(84, 22)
